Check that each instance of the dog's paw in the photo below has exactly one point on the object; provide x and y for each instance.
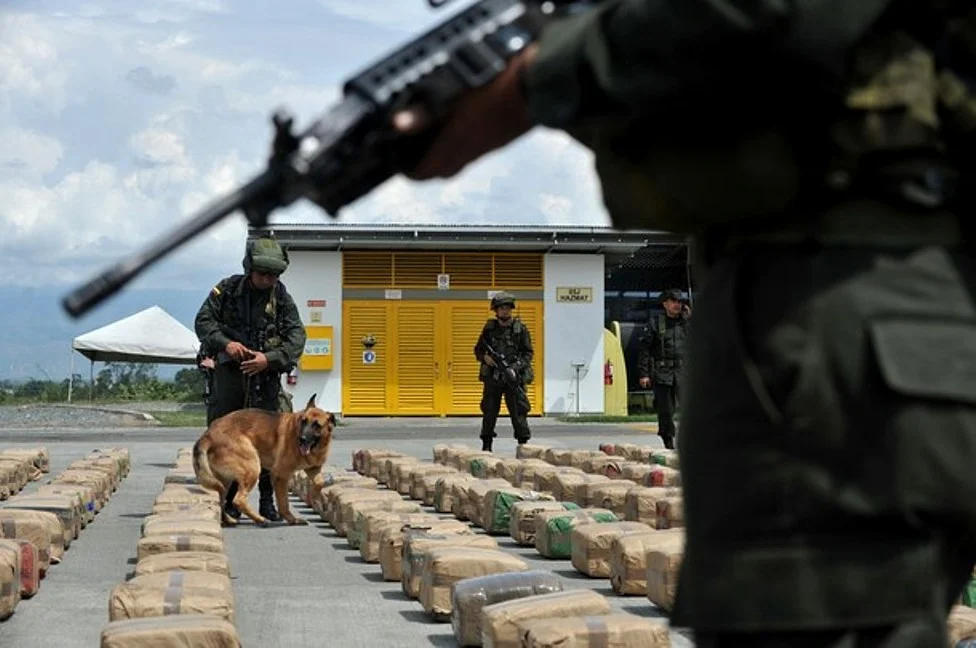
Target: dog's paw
(264, 524)
(297, 521)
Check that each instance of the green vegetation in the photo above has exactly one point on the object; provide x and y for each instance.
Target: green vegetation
(181, 419)
(601, 418)
(117, 382)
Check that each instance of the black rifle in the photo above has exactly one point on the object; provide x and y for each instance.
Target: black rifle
(353, 148)
(506, 372)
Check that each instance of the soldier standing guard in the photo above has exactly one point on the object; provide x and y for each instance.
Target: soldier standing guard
(504, 350)
(251, 324)
(661, 360)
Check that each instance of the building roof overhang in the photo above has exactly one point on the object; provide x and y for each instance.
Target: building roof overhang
(617, 246)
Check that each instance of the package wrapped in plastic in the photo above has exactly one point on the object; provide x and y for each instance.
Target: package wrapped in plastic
(444, 566)
(530, 451)
(476, 492)
(628, 557)
(470, 595)
(424, 480)
(664, 476)
(174, 631)
(9, 580)
(497, 507)
(553, 529)
(208, 561)
(416, 545)
(34, 531)
(392, 538)
(546, 480)
(521, 528)
(640, 503)
(442, 451)
(590, 545)
(961, 624)
(501, 622)
(666, 457)
(446, 491)
(621, 630)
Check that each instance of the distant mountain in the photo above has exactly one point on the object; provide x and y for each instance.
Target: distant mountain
(36, 334)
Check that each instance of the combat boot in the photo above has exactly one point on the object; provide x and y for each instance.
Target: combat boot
(266, 507)
(486, 444)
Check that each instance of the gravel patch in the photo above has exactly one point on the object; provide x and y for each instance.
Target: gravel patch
(67, 416)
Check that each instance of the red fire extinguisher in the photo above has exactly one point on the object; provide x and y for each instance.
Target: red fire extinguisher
(608, 373)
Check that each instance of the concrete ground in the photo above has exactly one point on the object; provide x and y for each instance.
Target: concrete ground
(293, 586)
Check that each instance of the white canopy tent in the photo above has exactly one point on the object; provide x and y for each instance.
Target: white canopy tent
(151, 335)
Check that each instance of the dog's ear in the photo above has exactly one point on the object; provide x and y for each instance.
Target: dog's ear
(311, 402)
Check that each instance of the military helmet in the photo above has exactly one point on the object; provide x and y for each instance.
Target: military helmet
(671, 293)
(265, 255)
(502, 299)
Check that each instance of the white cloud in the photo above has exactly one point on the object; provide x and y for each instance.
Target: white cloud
(30, 68)
(23, 152)
(164, 120)
(403, 15)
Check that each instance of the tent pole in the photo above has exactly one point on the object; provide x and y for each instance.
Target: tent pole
(91, 380)
(71, 374)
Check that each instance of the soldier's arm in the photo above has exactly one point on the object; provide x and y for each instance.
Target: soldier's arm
(645, 355)
(527, 351)
(628, 55)
(207, 322)
(292, 334)
(479, 347)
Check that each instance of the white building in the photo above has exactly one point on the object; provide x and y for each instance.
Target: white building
(420, 295)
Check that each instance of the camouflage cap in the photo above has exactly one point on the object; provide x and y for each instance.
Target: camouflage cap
(502, 299)
(671, 293)
(265, 255)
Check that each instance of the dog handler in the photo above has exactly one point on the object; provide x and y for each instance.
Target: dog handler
(251, 325)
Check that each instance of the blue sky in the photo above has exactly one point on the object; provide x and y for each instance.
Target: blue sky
(119, 117)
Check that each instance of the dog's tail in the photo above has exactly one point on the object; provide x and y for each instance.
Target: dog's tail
(201, 466)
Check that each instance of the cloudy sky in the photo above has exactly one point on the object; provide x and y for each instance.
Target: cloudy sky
(120, 117)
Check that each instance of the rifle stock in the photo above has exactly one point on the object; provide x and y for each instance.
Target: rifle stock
(353, 149)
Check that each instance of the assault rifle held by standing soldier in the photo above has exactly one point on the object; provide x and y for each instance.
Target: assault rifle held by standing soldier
(355, 147)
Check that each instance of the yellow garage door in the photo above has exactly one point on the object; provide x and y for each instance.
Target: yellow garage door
(427, 365)
(423, 361)
(367, 373)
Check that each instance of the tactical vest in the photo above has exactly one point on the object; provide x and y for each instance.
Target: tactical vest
(250, 331)
(895, 119)
(504, 339)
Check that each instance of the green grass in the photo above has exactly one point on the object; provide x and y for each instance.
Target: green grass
(602, 418)
(181, 419)
(191, 419)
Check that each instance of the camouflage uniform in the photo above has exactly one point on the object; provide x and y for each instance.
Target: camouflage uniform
(514, 343)
(829, 429)
(662, 359)
(269, 320)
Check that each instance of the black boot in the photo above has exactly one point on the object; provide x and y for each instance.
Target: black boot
(486, 444)
(266, 507)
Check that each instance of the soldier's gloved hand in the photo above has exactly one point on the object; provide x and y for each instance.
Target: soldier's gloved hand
(645, 382)
(236, 350)
(257, 364)
(489, 361)
(479, 122)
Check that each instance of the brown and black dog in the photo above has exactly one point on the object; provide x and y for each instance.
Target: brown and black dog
(228, 458)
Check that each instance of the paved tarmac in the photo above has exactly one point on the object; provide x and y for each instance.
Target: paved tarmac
(293, 586)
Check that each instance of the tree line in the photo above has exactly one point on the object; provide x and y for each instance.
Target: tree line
(117, 381)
